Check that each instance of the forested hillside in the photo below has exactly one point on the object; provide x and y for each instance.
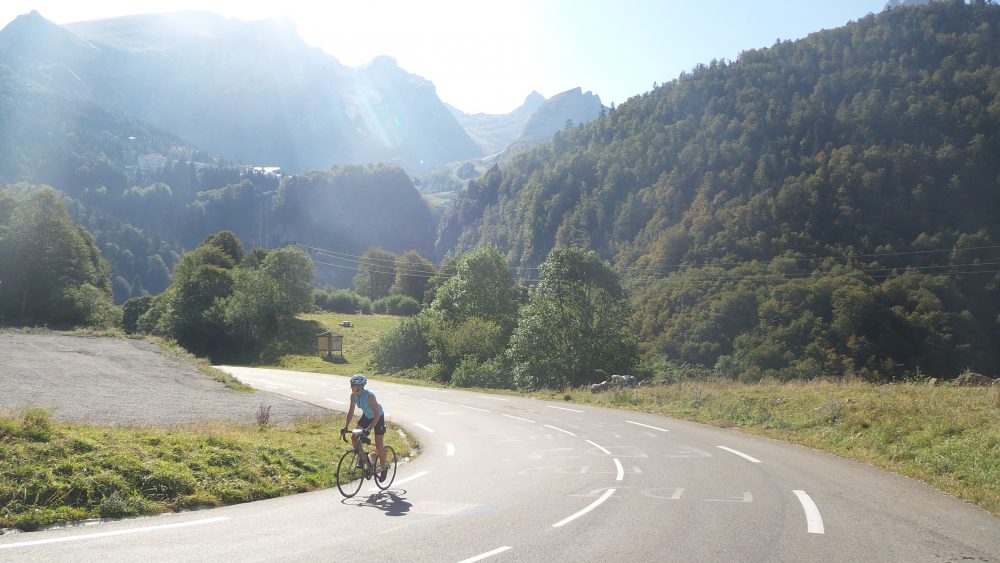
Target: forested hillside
(825, 206)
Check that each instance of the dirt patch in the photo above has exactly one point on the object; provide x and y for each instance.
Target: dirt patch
(123, 382)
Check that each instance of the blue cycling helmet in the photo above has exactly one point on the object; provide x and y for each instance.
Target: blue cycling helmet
(359, 379)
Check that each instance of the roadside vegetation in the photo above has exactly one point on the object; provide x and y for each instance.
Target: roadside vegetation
(52, 472)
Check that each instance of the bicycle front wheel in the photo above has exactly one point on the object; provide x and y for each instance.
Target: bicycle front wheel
(389, 469)
(349, 477)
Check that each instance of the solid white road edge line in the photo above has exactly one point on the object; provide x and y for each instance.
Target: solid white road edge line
(814, 522)
(621, 470)
(115, 533)
(559, 429)
(562, 408)
(518, 418)
(598, 447)
(426, 428)
(592, 506)
(451, 448)
(494, 398)
(482, 556)
(741, 454)
(647, 426)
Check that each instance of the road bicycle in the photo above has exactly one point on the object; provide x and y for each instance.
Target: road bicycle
(354, 466)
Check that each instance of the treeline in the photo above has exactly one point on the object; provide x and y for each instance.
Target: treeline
(822, 207)
(482, 329)
(51, 271)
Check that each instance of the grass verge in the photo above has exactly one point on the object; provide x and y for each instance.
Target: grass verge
(53, 473)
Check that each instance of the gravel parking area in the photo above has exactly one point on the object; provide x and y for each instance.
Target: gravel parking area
(122, 382)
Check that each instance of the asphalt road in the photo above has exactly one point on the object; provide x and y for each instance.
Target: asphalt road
(503, 478)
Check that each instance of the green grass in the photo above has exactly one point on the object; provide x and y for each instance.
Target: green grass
(52, 472)
(359, 341)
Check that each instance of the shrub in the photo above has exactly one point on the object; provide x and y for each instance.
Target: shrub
(490, 374)
(89, 305)
(474, 337)
(403, 347)
(132, 310)
(341, 301)
(402, 305)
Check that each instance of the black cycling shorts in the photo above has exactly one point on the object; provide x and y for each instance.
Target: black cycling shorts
(379, 426)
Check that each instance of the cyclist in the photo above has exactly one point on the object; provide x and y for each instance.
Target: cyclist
(372, 417)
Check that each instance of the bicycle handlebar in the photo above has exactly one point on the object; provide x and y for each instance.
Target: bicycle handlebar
(364, 437)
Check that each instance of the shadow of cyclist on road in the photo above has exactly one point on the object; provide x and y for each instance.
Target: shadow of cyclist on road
(389, 502)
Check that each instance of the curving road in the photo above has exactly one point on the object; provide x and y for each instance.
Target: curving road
(503, 478)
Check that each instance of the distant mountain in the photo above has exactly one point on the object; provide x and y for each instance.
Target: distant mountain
(251, 92)
(570, 107)
(506, 135)
(494, 132)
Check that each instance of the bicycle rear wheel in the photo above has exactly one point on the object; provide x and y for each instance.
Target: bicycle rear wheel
(349, 477)
(389, 468)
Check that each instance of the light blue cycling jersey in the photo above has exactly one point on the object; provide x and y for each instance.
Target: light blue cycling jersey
(366, 408)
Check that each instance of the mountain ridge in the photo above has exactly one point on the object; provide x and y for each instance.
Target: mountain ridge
(307, 115)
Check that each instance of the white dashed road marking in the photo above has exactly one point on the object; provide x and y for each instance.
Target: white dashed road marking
(598, 447)
(559, 429)
(814, 521)
(519, 418)
(592, 506)
(563, 408)
(741, 454)
(482, 556)
(647, 426)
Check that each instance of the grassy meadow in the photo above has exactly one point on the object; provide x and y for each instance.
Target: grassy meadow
(359, 340)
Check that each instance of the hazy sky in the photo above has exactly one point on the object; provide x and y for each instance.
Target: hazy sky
(487, 56)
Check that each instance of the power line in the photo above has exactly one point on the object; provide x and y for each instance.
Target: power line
(828, 257)
(391, 267)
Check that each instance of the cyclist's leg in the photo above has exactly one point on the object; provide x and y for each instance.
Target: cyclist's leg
(380, 447)
(380, 439)
(356, 438)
